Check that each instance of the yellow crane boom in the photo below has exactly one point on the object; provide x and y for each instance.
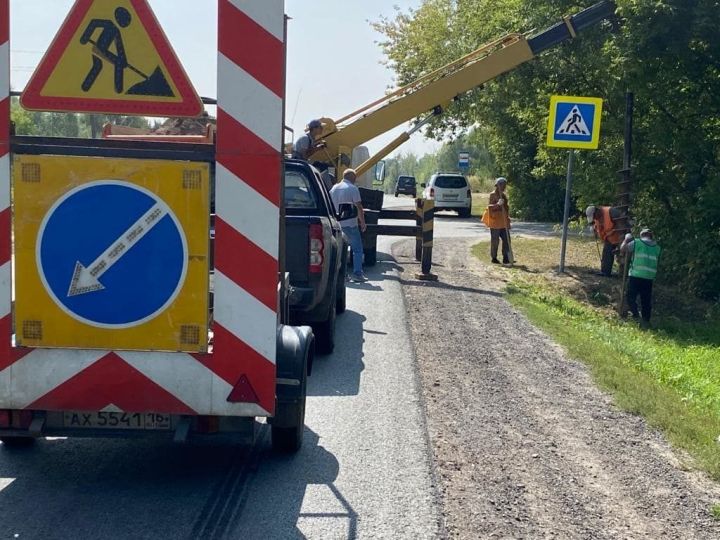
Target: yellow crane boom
(436, 90)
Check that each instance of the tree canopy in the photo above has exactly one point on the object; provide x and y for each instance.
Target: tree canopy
(665, 51)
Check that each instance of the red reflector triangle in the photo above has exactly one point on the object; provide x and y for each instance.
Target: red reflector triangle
(243, 392)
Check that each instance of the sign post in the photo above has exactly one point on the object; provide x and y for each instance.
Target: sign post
(574, 123)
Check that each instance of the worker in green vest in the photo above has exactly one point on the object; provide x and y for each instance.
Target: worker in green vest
(644, 254)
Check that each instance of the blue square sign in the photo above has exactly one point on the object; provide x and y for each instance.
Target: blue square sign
(574, 122)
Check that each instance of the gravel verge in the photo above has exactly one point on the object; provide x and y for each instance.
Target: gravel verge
(524, 444)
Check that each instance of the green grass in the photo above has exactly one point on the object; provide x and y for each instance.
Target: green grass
(670, 375)
(479, 203)
(715, 511)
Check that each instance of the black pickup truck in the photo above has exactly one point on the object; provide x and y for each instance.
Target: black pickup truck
(315, 253)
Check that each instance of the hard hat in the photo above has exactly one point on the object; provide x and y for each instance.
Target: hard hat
(314, 124)
(590, 213)
(501, 180)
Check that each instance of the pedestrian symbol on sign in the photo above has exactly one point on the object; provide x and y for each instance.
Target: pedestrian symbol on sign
(574, 124)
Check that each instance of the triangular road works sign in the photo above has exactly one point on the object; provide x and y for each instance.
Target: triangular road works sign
(112, 57)
(574, 124)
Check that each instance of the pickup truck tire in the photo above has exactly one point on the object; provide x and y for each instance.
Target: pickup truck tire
(325, 331)
(465, 212)
(341, 296)
(17, 442)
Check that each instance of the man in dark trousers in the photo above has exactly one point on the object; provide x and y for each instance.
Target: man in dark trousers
(645, 254)
(497, 218)
(602, 218)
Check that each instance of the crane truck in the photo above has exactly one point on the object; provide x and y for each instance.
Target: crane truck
(430, 95)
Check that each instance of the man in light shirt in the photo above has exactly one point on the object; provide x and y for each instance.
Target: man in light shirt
(348, 204)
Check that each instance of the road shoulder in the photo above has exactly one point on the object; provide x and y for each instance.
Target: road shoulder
(523, 442)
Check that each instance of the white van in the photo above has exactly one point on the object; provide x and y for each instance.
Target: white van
(450, 191)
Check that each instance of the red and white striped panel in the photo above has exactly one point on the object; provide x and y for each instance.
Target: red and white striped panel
(6, 353)
(251, 86)
(251, 65)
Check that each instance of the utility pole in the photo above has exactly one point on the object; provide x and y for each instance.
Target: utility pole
(625, 195)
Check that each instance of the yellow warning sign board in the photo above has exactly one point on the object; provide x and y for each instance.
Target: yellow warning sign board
(111, 253)
(112, 57)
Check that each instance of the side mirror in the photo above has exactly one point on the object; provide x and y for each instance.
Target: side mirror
(379, 173)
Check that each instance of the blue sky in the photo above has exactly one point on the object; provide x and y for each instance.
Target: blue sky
(333, 58)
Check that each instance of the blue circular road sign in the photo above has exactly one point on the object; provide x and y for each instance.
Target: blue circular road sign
(112, 254)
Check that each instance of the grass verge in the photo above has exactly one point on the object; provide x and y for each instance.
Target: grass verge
(670, 375)
(479, 204)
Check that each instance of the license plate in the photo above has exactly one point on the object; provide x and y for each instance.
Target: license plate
(116, 420)
(448, 197)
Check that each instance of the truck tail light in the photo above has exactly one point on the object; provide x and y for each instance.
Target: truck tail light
(317, 249)
(432, 192)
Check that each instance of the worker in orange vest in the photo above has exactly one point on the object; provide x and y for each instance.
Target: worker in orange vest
(497, 218)
(602, 218)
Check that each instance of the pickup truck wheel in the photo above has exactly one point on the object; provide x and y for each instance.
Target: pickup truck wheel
(465, 212)
(341, 296)
(288, 440)
(17, 442)
(325, 331)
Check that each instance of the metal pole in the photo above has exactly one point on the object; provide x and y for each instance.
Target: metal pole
(566, 218)
(419, 222)
(625, 195)
(428, 225)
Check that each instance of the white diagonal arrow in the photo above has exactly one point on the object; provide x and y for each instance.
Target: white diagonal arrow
(86, 279)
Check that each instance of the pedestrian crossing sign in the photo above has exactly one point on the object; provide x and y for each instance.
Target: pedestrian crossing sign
(574, 122)
(112, 57)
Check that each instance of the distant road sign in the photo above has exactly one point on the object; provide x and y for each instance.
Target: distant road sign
(112, 57)
(111, 253)
(574, 122)
(464, 160)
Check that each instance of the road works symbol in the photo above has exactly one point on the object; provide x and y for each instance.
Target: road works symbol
(112, 254)
(111, 36)
(111, 56)
(574, 122)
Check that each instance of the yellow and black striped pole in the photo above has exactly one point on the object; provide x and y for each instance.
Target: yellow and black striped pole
(419, 235)
(428, 224)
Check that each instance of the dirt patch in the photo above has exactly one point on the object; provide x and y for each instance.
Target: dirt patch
(524, 444)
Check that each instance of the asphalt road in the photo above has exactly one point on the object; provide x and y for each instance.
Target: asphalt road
(449, 225)
(364, 471)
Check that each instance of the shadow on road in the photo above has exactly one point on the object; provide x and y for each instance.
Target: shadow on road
(87, 489)
(339, 374)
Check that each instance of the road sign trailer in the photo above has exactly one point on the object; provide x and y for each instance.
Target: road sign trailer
(254, 365)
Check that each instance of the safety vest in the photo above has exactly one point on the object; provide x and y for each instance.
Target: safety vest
(605, 227)
(645, 260)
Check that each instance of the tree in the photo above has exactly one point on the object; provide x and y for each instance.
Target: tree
(665, 50)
